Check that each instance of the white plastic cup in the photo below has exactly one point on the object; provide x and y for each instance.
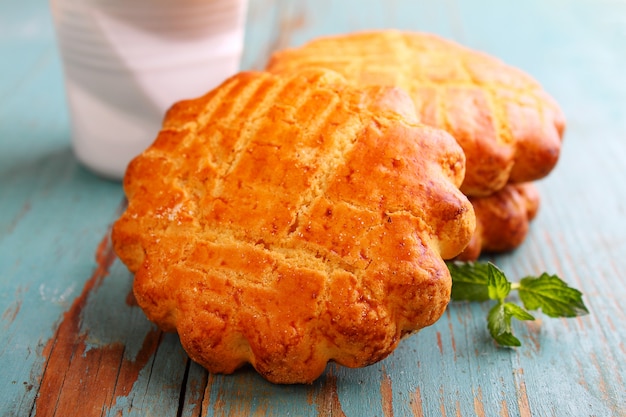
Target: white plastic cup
(126, 62)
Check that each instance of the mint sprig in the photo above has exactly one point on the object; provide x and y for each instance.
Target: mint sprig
(553, 296)
(483, 281)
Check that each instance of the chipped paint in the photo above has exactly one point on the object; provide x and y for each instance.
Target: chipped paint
(579, 368)
(416, 403)
(194, 392)
(439, 343)
(10, 313)
(442, 402)
(451, 330)
(522, 396)
(479, 407)
(504, 409)
(73, 376)
(386, 394)
(327, 400)
(128, 370)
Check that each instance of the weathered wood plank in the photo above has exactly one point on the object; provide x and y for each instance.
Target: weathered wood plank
(72, 340)
(83, 372)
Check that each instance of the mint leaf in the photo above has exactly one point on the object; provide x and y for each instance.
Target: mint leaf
(499, 322)
(552, 295)
(469, 281)
(499, 325)
(497, 284)
(518, 312)
(484, 281)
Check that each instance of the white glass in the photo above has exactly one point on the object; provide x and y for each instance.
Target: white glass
(127, 61)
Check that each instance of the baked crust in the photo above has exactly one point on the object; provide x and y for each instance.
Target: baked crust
(509, 128)
(502, 220)
(287, 221)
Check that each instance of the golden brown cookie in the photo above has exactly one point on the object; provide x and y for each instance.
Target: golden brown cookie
(502, 220)
(287, 221)
(508, 126)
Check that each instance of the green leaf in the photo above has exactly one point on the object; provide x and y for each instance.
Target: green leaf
(469, 281)
(482, 281)
(499, 322)
(518, 312)
(499, 325)
(552, 295)
(498, 286)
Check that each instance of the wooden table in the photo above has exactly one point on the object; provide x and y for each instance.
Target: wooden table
(73, 342)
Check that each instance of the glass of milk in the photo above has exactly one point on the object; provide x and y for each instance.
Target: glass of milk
(127, 61)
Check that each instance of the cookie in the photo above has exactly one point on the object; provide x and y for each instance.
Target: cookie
(509, 128)
(285, 221)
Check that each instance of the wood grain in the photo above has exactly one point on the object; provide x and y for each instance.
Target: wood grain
(73, 342)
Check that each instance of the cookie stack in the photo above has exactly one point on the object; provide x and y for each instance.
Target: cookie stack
(509, 128)
(303, 214)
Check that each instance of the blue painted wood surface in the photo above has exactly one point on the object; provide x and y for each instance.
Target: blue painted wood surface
(73, 342)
